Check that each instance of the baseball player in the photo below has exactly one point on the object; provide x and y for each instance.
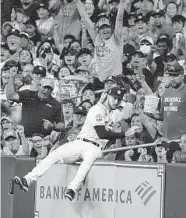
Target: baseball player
(87, 145)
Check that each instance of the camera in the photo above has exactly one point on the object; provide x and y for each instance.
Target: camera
(45, 50)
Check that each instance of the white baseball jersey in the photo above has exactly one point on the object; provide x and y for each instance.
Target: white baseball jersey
(99, 115)
(108, 56)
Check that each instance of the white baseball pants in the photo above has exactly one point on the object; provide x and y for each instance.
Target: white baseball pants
(69, 153)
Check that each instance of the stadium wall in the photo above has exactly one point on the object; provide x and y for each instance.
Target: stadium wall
(111, 190)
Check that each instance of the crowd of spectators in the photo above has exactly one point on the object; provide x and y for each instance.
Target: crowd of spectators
(60, 57)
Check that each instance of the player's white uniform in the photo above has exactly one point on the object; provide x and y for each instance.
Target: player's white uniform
(108, 56)
(78, 149)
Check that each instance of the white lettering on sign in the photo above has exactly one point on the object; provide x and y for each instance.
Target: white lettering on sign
(94, 194)
(172, 99)
(171, 108)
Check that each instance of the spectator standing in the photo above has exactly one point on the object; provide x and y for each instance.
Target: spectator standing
(40, 112)
(14, 44)
(159, 26)
(66, 21)
(45, 24)
(18, 23)
(174, 104)
(29, 7)
(5, 30)
(108, 43)
(173, 110)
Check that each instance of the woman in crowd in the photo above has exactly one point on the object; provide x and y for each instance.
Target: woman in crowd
(25, 57)
(70, 60)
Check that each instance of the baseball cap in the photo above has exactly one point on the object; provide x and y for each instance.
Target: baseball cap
(103, 22)
(171, 146)
(110, 1)
(170, 57)
(158, 12)
(159, 141)
(111, 78)
(80, 110)
(68, 36)
(4, 45)
(7, 23)
(47, 82)
(20, 10)
(175, 69)
(148, 39)
(10, 133)
(84, 51)
(163, 36)
(42, 6)
(9, 64)
(138, 52)
(116, 92)
(178, 17)
(140, 17)
(25, 35)
(14, 32)
(6, 118)
(39, 70)
(102, 15)
(30, 22)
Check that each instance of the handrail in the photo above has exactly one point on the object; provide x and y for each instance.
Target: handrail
(134, 147)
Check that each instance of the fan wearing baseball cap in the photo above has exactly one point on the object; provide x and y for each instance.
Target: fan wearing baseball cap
(159, 26)
(45, 23)
(44, 111)
(173, 111)
(14, 43)
(108, 41)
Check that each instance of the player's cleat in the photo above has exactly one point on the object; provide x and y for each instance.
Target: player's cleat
(22, 183)
(70, 194)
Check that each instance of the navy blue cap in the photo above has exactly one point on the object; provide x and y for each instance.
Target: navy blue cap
(14, 32)
(116, 92)
(159, 12)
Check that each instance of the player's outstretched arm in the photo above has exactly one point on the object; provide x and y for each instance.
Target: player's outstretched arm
(110, 135)
(104, 134)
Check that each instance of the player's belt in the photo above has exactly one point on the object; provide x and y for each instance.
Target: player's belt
(86, 140)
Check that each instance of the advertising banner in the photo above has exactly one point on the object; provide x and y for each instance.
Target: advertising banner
(111, 190)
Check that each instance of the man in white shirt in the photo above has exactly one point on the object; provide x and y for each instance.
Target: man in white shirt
(87, 145)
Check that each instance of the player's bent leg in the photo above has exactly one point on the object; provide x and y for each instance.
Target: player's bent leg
(89, 156)
(67, 153)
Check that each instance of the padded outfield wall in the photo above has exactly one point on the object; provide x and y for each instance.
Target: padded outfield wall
(111, 190)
